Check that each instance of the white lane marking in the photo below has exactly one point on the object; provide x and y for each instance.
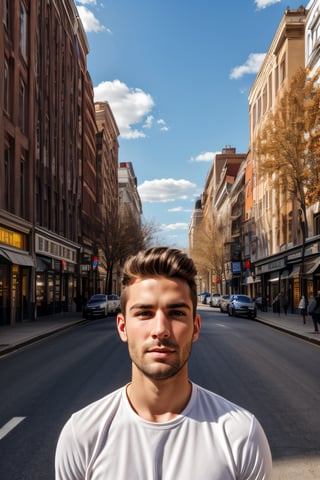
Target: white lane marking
(221, 325)
(10, 426)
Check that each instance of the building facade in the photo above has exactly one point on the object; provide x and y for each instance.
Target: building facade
(50, 184)
(261, 219)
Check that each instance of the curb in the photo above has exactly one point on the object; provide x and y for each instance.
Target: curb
(24, 343)
(316, 341)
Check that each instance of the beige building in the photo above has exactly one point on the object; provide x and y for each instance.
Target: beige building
(220, 213)
(270, 212)
(107, 151)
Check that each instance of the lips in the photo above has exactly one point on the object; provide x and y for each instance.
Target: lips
(161, 350)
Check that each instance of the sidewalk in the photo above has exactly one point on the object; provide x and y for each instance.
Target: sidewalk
(14, 337)
(290, 323)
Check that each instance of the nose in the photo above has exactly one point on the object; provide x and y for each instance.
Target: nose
(161, 325)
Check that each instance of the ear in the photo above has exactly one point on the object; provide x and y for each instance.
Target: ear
(121, 326)
(196, 328)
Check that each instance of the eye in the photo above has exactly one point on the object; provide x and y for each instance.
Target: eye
(177, 313)
(143, 313)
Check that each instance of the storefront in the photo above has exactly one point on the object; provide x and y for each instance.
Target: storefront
(290, 274)
(56, 275)
(15, 280)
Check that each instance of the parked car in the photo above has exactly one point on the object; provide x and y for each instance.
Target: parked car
(242, 305)
(224, 302)
(100, 305)
(214, 300)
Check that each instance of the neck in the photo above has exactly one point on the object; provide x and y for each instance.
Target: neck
(159, 400)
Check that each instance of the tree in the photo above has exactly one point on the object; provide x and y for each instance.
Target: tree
(288, 144)
(122, 237)
(207, 252)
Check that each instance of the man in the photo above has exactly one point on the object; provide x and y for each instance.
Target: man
(161, 425)
(314, 311)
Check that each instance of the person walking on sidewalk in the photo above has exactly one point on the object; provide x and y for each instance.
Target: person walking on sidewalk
(161, 425)
(314, 310)
(302, 306)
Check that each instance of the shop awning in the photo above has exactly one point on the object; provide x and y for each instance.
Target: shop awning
(276, 279)
(295, 271)
(16, 257)
(284, 274)
(43, 264)
(311, 266)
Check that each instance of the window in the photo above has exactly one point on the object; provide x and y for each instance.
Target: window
(270, 91)
(22, 105)
(317, 224)
(276, 76)
(8, 175)
(282, 70)
(7, 15)
(23, 31)
(23, 187)
(6, 81)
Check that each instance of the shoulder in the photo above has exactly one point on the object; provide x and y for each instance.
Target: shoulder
(91, 416)
(82, 432)
(237, 429)
(213, 407)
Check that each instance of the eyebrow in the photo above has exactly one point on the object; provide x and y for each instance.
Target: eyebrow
(171, 305)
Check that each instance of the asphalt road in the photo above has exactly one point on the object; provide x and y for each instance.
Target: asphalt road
(273, 374)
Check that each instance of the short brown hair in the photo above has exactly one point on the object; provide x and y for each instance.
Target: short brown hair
(164, 261)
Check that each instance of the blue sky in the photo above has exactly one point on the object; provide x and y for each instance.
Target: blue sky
(177, 75)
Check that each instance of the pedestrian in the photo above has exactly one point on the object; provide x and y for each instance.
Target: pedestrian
(303, 308)
(161, 425)
(285, 304)
(314, 310)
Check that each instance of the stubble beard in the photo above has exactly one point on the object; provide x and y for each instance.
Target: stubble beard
(152, 371)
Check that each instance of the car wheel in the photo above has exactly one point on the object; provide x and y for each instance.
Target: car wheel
(229, 313)
(233, 312)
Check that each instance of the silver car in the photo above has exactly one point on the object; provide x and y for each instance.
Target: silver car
(215, 300)
(224, 302)
(100, 305)
(242, 305)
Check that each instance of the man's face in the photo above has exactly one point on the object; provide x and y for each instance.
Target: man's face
(159, 326)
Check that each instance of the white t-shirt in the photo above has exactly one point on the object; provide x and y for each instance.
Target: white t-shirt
(212, 439)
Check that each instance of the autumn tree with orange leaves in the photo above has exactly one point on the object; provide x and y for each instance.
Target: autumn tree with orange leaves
(288, 146)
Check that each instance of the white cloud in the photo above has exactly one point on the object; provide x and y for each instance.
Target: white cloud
(89, 20)
(87, 2)
(165, 190)
(175, 209)
(148, 122)
(130, 106)
(179, 209)
(265, 3)
(204, 157)
(252, 65)
(163, 124)
(174, 226)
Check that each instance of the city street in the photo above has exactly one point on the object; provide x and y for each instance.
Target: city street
(271, 373)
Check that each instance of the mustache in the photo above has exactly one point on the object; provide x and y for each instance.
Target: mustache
(163, 343)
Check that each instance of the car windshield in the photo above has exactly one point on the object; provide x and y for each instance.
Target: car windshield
(97, 298)
(243, 299)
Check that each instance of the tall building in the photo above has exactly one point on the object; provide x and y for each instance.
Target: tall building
(107, 193)
(48, 137)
